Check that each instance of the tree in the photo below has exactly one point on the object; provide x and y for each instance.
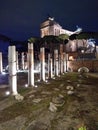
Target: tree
(32, 40)
(63, 36)
(50, 42)
(73, 37)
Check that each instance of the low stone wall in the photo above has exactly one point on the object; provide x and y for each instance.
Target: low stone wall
(92, 65)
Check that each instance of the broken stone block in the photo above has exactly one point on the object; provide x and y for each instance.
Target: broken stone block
(78, 85)
(69, 87)
(32, 96)
(70, 92)
(37, 100)
(52, 107)
(61, 96)
(19, 97)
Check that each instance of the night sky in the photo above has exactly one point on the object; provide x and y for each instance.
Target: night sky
(20, 19)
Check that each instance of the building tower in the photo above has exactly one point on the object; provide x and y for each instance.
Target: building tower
(51, 27)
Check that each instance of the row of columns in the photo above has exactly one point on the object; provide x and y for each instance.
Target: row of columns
(12, 61)
(23, 60)
(59, 65)
(17, 62)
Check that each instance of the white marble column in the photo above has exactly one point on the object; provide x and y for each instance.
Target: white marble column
(26, 60)
(59, 62)
(61, 58)
(30, 64)
(49, 71)
(67, 58)
(22, 60)
(42, 64)
(64, 63)
(12, 69)
(17, 61)
(51, 68)
(56, 62)
(1, 66)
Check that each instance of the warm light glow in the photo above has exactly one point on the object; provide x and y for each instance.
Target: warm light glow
(7, 93)
(46, 81)
(71, 58)
(38, 80)
(82, 51)
(36, 86)
(26, 85)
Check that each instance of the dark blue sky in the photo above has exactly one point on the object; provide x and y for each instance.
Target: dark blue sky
(20, 19)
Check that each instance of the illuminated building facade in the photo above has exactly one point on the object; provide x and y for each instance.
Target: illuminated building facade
(51, 27)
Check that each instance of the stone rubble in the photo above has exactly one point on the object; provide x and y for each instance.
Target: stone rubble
(37, 100)
(52, 107)
(19, 97)
(70, 88)
(70, 92)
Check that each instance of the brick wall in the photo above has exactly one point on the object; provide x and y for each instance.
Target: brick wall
(92, 65)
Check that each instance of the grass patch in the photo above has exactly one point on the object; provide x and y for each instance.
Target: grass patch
(23, 90)
(32, 111)
(22, 108)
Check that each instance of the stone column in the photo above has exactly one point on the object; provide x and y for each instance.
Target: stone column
(12, 69)
(67, 62)
(17, 62)
(22, 60)
(56, 62)
(42, 64)
(26, 60)
(64, 62)
(49, 71)
(51, 68)
(61, 59)
(1, 66)
(30, 64)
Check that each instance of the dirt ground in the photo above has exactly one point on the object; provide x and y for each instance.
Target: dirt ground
(68, 102)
